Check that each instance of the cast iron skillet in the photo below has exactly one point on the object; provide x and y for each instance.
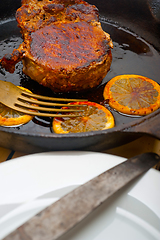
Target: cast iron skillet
(134, 27)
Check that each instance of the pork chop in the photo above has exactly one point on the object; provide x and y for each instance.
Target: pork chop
(64, 46)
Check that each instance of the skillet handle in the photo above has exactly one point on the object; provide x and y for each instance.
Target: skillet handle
(149, 125)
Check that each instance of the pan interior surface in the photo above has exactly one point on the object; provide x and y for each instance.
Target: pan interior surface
(132, 54)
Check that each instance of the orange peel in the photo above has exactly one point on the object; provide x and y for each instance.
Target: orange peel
(10, 117)
(94, 117)
(133, 94)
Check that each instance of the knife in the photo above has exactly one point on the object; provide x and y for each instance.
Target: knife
(61, 216)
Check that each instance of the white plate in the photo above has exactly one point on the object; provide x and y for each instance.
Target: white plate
(29, 184)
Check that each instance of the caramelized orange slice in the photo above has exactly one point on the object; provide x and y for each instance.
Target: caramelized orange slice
(133, 94)
(10, 117)
(93, 118)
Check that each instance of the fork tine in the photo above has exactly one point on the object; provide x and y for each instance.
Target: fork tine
(51, 104)
(32, 95)
(32, 107)
(24, 102)
(40, 114)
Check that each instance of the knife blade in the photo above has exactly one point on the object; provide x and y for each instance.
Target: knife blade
(61, 216)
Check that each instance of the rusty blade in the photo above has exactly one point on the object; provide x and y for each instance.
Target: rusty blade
(64, 214)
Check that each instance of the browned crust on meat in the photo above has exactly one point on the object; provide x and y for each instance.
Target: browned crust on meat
(64, 81)
(34, 14)
(64, 45)
(68, 46)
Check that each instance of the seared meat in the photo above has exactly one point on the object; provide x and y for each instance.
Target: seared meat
(64, 46)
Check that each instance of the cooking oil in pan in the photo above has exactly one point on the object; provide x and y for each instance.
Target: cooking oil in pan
(131, 55)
